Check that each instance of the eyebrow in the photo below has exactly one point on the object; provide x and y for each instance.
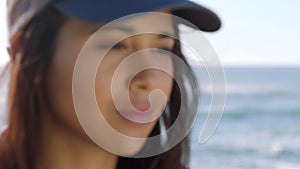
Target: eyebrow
(129, 30)
(166, 35)
(120, 28)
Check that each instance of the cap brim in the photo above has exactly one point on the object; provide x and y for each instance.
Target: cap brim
(201, 17)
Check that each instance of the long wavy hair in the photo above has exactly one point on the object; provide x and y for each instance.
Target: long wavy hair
(28, 70)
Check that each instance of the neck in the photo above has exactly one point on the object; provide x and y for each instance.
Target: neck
(60, 148)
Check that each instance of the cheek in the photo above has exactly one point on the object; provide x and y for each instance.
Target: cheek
(103, 90)
(59, 84)
(103, 87)
(59, 89)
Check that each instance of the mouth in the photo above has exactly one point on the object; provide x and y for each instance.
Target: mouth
(138, 114)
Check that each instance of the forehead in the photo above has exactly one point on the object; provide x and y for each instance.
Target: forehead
(159, 24)
(150, 22)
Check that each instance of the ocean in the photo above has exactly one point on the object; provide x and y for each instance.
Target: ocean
(260, 127)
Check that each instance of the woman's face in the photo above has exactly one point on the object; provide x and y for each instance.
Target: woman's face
(142, 117)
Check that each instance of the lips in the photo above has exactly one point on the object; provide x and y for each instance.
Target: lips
(138, 113)
(142, 107)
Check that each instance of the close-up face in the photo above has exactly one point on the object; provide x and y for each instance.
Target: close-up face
(92, 83)
(147, 90)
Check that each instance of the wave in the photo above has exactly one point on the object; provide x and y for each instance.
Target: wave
(280, 143)
(252, 89)
(261, 112)
(253, 146)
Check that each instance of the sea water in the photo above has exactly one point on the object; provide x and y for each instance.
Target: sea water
(260, 126)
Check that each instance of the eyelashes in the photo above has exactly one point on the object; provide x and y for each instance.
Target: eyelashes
(165, 50)
(122, 46)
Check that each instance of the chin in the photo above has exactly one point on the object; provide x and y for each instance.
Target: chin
(129, 149)
(136, 136)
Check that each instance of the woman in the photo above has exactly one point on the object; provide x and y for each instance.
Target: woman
(46, 40)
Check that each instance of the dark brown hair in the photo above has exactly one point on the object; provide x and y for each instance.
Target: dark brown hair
(28, 70)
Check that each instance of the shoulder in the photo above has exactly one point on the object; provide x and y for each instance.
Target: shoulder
(1, 163)
(1, 167)
(2, 129)
(182, 167)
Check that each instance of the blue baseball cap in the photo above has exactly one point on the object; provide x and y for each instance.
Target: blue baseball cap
(104, 11)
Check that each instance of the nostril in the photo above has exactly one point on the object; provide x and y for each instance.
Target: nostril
(143, 81)
(149, 80)
(146, 84)
(141, 85)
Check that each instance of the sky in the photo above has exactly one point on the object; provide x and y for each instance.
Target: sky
(254, 33)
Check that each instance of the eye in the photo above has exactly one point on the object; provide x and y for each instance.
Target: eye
(117, 46)
(165, 50)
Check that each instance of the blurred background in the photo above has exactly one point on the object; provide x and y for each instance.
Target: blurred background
(258, 46)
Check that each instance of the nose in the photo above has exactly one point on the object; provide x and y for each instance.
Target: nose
(151, 79)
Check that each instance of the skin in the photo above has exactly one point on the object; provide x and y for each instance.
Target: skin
(63, 142)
